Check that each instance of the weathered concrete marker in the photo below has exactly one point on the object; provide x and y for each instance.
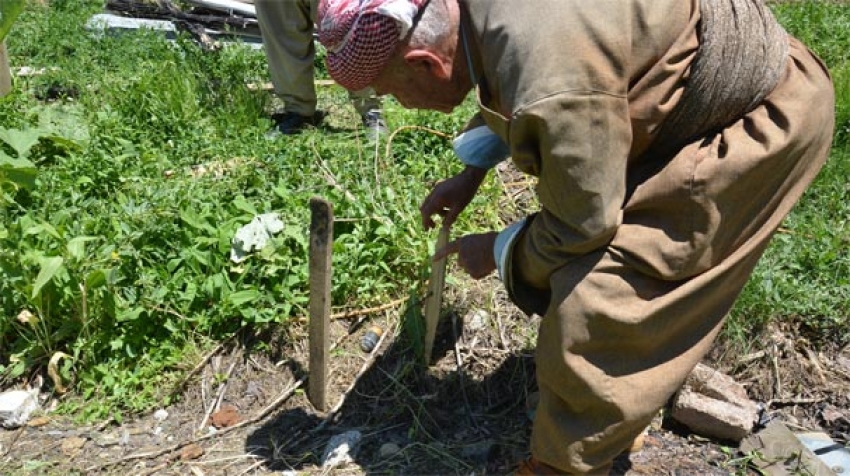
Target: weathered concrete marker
(434, 301)
(321, 245)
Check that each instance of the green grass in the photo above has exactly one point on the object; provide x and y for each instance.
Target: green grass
(122, 255)
(804, 275)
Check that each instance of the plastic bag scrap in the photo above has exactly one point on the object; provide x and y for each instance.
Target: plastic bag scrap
(254, 236)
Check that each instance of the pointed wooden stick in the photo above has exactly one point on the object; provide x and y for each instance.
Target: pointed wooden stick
(321, 244)
(434, 300)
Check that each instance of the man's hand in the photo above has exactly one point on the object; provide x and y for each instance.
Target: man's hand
(474, 253)
(450, 197)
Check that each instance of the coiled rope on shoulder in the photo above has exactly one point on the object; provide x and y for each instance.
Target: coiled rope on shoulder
(742, 53)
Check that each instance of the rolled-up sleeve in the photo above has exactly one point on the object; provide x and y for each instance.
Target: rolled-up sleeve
(478, 146)
(577, 143)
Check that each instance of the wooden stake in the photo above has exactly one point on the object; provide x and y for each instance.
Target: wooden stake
(321, 245)
(5, 71)
(434, 301)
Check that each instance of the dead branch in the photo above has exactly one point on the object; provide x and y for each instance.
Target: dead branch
(267, 86)
(371, 310)
(793, 401)
(154, 454)
(204, 361)
(217, 402)
(751, 357)
(371, 359)
(166, 10)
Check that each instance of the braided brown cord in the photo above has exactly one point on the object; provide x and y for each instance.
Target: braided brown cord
(741, 57)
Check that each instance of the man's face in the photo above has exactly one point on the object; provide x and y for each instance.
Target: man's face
(418, 90)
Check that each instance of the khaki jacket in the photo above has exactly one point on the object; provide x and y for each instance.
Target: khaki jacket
(578, 89)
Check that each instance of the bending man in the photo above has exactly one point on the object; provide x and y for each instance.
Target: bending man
(668, 145)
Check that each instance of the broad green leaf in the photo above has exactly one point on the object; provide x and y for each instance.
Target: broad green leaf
(14, 163)
(192, 219)
(240, 203)
(77, 246)
(130, 314)
(49, 267)
(21, 140)
(63, 124)
(9, 11)
(240, 298)
(43, 228)
(20, 172)
(96, 279)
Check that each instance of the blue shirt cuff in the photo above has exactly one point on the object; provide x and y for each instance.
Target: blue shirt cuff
(504, 244)
(481, 147)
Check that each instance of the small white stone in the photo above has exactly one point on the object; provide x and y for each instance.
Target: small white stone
(477, 319)
(340, 449)
(388, 449)
(160, 415)
(16, 406)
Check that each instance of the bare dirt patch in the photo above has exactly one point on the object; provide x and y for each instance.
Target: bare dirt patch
(464, 414)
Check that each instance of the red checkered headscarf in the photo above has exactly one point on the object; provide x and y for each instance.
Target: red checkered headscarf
(361, 36)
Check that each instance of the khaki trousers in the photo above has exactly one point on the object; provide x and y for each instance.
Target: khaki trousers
(618, 339)
(287, 29)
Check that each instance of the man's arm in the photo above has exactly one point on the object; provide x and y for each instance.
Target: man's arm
(577, 144)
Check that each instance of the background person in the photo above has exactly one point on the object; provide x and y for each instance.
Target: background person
(287, 30)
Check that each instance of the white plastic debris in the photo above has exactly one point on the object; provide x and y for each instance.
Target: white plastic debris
(340, 449)
(16, 406)
(228, 6)
(833, 454)
(254, 236)
(160, 415)
(103, 22)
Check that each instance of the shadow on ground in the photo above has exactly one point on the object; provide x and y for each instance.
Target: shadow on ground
(441, 419)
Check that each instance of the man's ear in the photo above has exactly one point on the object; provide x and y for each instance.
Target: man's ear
(421, 60)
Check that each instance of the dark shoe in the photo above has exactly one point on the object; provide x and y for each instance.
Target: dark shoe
(289, 123)
(374, 125)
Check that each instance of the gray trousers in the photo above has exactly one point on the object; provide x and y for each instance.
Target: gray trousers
(287, 29)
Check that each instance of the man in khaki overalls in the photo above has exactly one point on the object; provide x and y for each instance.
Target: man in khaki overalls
(669, 138)
(287, 29)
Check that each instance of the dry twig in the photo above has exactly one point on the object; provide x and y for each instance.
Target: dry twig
(405, 128)
(462, 380)
(252, 467)
(154, 454)
(777, 384)
(221, 388)
(182, 385)
(815, 361)
(371, 310)
(793, 401)
(371, 359)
